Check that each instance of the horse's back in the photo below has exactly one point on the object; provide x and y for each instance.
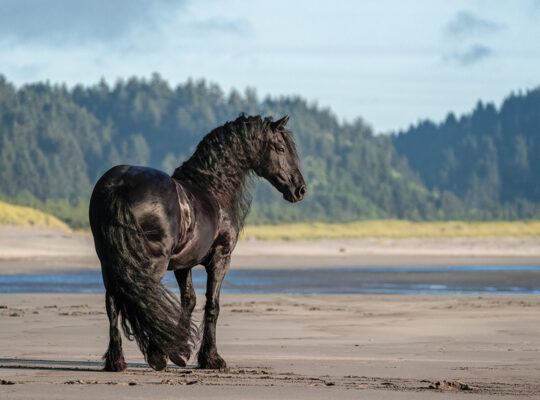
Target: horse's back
(135, 182)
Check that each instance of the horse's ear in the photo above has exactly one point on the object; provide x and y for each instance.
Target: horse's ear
(280, 124)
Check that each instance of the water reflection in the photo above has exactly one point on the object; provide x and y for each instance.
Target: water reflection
(475, 279)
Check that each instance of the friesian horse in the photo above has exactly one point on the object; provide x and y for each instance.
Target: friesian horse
(145, 222)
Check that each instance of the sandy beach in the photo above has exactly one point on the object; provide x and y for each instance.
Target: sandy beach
(284, 345)
(25, 250)
(287, 346)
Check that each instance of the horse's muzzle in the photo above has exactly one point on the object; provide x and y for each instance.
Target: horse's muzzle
(297, 195)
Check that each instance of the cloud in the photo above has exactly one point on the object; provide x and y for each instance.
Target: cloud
(214, 25)
(59, 22)
(471, 55)
(466, 24)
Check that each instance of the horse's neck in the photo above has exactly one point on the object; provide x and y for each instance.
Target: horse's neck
(220, 166)
(225, 186)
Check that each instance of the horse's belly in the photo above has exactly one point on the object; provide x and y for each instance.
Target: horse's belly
(195, 244)
(194, 253)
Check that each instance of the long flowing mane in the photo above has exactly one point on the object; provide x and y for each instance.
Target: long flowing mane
(223, 160)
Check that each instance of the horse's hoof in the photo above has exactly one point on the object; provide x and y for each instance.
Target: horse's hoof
(179, 359)
(212, 362)
(115, 366)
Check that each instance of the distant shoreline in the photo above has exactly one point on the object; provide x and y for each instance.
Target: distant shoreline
(27, 251)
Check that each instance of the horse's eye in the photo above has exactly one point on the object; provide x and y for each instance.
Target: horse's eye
(280, 149)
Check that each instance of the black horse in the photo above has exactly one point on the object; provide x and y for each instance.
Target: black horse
(145, 222)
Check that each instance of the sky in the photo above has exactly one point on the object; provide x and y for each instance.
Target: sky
(390, 62)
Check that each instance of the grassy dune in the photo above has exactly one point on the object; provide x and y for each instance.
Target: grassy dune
(392, 229)
(29, 217)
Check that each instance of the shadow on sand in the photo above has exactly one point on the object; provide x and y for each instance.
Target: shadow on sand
(65, 365)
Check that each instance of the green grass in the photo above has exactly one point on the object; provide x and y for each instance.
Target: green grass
(392, 229)
(29, 217)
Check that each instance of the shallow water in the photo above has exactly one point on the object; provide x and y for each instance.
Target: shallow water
(410, 280)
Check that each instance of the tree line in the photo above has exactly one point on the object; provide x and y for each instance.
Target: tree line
(489, 158)
(56, 141)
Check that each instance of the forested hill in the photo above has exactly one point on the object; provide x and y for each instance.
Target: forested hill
(55, 142)
(490, 158)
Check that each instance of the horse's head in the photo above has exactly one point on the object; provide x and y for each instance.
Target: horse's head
(279, 162)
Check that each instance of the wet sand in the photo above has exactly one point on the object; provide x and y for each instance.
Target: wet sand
(287, 346)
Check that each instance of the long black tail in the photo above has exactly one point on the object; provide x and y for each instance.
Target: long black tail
(149, 313)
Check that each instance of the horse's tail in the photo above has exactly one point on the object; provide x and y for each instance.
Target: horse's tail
(149, 313)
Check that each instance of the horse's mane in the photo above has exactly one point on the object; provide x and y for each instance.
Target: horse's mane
(222, 161)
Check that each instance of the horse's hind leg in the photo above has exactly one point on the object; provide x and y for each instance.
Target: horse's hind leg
(114, 357)
(188, 299)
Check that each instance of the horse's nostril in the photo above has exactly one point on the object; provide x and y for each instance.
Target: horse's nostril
(301, 191)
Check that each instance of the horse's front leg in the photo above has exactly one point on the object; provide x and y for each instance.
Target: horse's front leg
(208, 356)
(188, 299)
